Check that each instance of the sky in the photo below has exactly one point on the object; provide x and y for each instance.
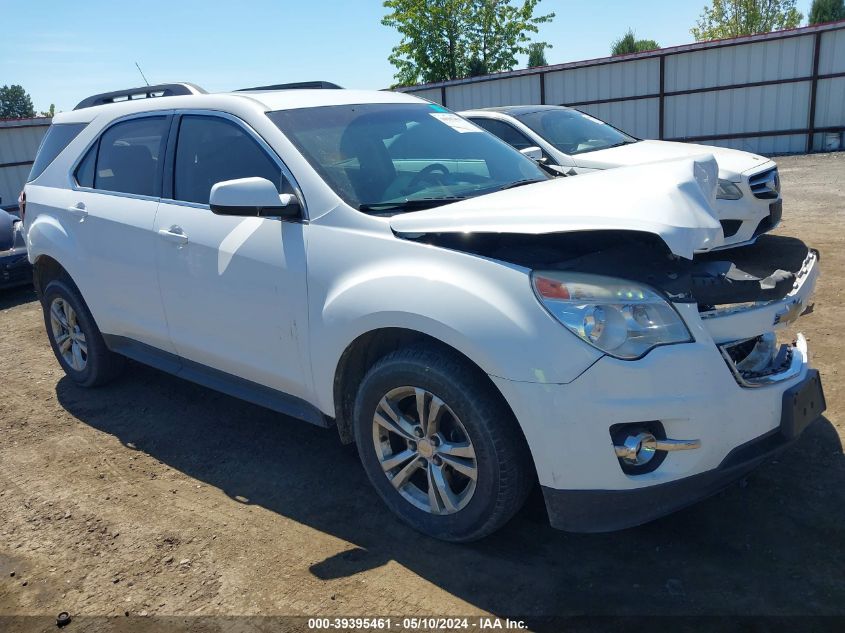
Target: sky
(62, 52)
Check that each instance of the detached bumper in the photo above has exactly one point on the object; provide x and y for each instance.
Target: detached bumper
(609, 510)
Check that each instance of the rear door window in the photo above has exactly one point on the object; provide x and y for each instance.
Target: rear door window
(212, 149)
(129, 156)
(54, 142)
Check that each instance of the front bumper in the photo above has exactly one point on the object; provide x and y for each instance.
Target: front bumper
(691, 389)
(744, 232)
(688, 388)
(608, 510)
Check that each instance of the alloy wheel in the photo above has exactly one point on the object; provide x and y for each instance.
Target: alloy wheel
(424, 450)
(70, 341)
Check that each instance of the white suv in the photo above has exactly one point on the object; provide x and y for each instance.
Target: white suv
(748, 201)
(372, 262)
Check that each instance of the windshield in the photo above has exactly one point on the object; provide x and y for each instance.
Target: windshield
(402, 156)
(574, 132)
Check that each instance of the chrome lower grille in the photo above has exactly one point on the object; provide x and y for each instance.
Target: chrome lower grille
(760, 361)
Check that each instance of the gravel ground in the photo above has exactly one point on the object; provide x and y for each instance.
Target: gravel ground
(153, 496)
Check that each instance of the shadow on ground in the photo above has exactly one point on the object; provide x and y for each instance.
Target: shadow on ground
(769, 546)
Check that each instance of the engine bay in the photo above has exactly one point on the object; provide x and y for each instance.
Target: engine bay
(766, 271)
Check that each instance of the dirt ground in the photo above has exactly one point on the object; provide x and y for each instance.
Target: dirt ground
(153, 496)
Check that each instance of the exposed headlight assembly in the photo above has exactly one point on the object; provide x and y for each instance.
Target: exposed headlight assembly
(727, 190)
(621, 318)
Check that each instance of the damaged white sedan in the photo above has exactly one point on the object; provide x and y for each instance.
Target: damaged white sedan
(372, 262)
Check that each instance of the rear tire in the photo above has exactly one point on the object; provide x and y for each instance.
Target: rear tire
(465, 470)
(76, 341)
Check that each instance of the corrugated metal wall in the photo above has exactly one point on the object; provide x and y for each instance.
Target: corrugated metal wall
(768, 93)
(19, 141)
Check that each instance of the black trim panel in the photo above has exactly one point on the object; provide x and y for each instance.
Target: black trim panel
(592, 511)
(217, 380)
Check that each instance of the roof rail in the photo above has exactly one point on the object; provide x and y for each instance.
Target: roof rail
(300, 85)
(143, 92)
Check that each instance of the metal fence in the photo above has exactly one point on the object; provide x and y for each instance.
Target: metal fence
(19, 141)
(773, 93)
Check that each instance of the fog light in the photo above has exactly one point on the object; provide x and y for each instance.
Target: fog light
(637, 450)
(640, 448)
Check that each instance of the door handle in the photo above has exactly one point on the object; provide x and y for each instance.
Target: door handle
(78, 211)
(174, 234)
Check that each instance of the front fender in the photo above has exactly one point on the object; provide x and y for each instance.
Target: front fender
(483, 308)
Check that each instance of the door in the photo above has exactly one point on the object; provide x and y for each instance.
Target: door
(110, 214)
(234, 288)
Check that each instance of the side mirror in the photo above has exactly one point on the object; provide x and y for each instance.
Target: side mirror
(534, 153)
(7, 231)
(252, 197)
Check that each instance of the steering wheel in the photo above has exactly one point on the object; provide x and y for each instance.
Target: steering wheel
(435, 172)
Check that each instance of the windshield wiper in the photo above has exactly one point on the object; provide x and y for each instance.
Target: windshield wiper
(597, 149)
(620, 144)
(520, 183)
(414, 204)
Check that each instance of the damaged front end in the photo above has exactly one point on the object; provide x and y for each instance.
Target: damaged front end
(761, 360)
(701, 377)
(745, 299)
(663, 238)
(750, 334)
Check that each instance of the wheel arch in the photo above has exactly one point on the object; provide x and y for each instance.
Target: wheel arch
(371, 346)
(45, 269)
(52, 251)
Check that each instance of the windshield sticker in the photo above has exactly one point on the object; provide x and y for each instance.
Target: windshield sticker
(593, 119)
(437, 108)
(455, 122)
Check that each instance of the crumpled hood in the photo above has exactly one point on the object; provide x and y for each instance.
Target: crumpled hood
(673, 200)
(732, 162)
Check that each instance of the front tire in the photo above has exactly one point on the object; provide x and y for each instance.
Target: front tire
(439, 444)
(76, 341)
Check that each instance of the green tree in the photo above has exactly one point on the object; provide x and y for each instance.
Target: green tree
(732, 18)
(476, 67)
(827, 11)
(450, 39)
(499, 31)
(51, 112)
(537, 54)
(15, 103)
(629, 43)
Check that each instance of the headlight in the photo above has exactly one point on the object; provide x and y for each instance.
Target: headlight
(621, 318)
(728, 190)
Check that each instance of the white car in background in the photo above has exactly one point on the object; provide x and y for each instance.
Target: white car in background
(372, 262)
(748, 201)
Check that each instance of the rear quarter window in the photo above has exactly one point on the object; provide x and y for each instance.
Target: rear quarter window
(58, 137)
